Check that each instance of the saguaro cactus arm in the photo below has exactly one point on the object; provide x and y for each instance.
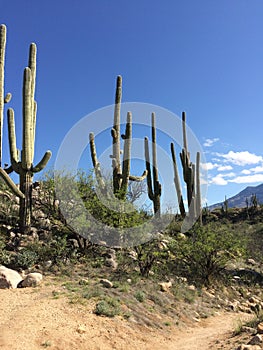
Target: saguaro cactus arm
(126, 163)
(153, 185)
(116, 137)
(198, 188)
(14, 156)
(177, 183)
(43, 162)
(95, 162)
(11, 184)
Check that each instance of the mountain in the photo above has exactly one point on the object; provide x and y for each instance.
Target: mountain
(239, 200)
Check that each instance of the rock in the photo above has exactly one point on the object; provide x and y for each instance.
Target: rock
(103, 243)
(191, 287)
(260, 328)
(253, 300)
(73, 243)
(106, 283)
(47, 263)
(165, 286)
(248, 347)
(111, 263)
(84, 282)
(9, 278)
(251, 261)
(256, 340)
(33, 279)
(81, 329)
(249, 330)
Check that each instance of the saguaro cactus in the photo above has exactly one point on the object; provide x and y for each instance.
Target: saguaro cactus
(153, 185)
(24, 165)
(121, 169)
(191, 176)
(4, 99)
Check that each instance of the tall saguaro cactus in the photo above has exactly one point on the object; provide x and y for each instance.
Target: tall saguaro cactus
(153, 185)
(3, 99)
(24, 165)
(191, 176)
(121, 169)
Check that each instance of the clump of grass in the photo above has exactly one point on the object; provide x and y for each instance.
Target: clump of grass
(108, 307)
(140, 296)
(94, 292)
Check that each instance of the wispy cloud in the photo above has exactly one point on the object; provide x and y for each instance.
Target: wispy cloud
(210, 142)
(241, 158)
(246, 172)
(218, 180)
(209, 166)
(248, 179)
(224, 167)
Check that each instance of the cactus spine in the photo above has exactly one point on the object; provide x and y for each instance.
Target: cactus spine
(121, 169)
(155, 189)
(24, 165)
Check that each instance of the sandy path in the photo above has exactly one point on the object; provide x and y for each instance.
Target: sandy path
(31, 320)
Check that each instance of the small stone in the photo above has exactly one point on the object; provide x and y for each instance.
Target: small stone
(192, 287)
(111, 263)
(256, 340)
(106, 283)
(165, 286)
(260, 328)
(249, 330)
(84, 282)
(81, 329)
(253, 300)
(251, 261)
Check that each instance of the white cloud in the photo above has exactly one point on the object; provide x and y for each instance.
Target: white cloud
(208, 166)
(246, 172)
(218, 180)
(210, 142)
(241, 158)
(248, 179)
(228, 174)
(257, 169)
(224, 167)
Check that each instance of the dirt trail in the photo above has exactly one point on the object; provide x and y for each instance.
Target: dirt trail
(30, 319)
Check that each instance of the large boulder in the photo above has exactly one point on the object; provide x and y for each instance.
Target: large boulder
(33, 279)
(9, 278)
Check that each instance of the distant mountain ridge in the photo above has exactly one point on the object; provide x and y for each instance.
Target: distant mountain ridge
(239, 200)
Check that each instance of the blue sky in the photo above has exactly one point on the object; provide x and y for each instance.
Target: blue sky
(203, 57)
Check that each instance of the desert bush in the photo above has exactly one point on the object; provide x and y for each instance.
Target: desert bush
(206, 251)
(108, 307)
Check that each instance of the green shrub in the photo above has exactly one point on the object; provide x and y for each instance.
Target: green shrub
(5, 256)
(109, 307)
(140, 296)
(206, 251)
(26, 259)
